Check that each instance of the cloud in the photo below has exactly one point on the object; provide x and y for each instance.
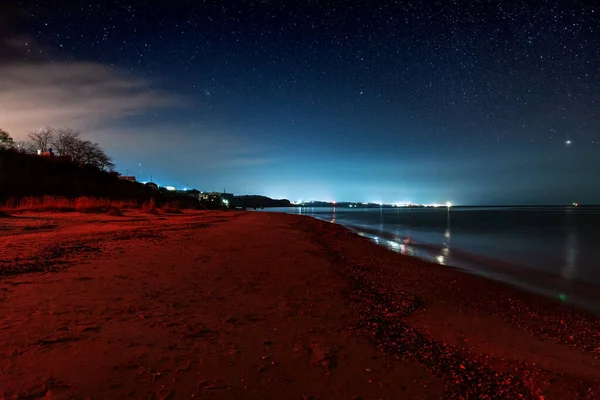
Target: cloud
(80, 95)
(186, 147)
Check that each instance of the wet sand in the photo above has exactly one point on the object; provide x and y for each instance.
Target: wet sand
(238, 305)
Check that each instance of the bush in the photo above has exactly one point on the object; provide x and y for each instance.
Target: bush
(150, 207)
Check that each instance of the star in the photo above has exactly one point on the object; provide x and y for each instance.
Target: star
(568, 142)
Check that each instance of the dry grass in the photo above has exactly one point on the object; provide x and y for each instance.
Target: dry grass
(86, 205)
(92, 205)
(150, 207)
(173, 207)
(64, 204)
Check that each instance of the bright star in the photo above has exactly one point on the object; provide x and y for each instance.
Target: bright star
(568, 142)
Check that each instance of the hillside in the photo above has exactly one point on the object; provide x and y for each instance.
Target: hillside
(254, 201)
(25, 175)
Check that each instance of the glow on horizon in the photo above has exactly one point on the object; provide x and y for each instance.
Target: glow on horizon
(447, 204)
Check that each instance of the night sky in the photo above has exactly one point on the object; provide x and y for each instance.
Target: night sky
(473, 102)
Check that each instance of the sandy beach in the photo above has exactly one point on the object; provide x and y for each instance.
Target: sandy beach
(250, 305)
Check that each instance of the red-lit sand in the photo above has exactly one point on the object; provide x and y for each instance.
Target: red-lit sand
(259, 305)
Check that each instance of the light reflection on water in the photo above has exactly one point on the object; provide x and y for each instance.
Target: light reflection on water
(569, 270)
(551, 249)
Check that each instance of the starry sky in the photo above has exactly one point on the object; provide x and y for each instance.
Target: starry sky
(473, 102)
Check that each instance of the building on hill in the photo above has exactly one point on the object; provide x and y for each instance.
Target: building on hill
(50, 153)
(127, 178)
(215, 199)
(227, 196)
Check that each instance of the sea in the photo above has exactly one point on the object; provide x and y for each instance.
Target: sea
(552, 251)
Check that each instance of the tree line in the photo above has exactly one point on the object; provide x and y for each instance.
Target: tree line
(64, 142)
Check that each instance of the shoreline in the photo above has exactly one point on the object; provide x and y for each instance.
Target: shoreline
(580, 295)
(247, 305)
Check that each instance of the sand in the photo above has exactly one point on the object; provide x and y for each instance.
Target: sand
(245, 305)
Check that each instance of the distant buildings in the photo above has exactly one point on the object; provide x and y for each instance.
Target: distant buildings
(47, 153)
(50, 153)
(212, 198)
(127, 178)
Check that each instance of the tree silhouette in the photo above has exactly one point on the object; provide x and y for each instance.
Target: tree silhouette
(64, 141)
(25, 147)
(41, 137)
(67, 142)
(5, 139)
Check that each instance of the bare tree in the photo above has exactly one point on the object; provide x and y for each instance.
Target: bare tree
(67, 142)
(25, 147)
(105, 162)
(5, 139)
(77, 151)
(92, 154)
(41, 137)
(64, 141)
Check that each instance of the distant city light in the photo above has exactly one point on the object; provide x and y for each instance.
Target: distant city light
(393, 245)
(171, 188)
(448, 204)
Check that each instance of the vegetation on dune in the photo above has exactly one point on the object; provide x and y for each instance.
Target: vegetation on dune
(77, 177)
(88, 205)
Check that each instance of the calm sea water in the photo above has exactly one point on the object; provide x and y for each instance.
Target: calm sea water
(551, 251)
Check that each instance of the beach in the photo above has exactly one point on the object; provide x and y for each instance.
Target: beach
(249, 305)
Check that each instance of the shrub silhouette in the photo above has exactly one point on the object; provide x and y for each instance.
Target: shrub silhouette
(35, 181)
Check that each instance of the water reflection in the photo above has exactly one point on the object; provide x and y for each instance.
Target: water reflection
(447, 233)
(515, 243)
(571, 247)
(441, 259)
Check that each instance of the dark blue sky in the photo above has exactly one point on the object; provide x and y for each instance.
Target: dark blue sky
(474, 102)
